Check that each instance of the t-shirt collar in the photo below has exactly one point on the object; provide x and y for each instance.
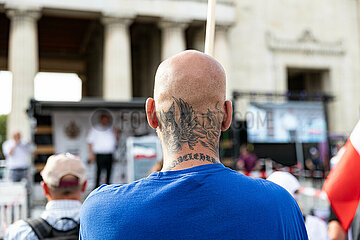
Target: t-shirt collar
(197, 169)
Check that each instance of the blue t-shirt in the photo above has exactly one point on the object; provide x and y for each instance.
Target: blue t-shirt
(204, 202)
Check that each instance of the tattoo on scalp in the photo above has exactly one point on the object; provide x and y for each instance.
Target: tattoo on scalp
(188, 128)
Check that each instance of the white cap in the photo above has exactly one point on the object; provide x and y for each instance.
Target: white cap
(59, 165)
(285, 180)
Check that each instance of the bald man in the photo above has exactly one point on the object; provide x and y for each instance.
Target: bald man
(194, 196)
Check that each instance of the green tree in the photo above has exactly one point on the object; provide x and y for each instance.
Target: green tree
(2, 132)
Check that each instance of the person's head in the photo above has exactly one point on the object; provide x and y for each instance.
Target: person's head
(244, 150)
(189, 108)
(16, 136)
(64, 177)
(314, 152)
(105, 119)
(339, 145)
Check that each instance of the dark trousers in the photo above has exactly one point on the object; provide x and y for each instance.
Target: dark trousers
(103, 161)
(18, 174)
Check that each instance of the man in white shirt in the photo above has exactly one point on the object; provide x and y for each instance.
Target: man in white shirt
(290, 123)
(64, 180)
(17, 154)
(102, 144)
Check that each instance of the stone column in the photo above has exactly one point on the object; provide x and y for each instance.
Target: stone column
(222, 54)
(173, 38)
(117, 83)
(24, 64)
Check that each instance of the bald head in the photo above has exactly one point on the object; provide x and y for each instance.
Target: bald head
(17, 136)
(193, 76)
(189, 108)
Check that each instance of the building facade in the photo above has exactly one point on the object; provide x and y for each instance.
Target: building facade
(115, 46)
(313, 46)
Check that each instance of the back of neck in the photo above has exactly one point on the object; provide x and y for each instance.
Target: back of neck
(188, 159)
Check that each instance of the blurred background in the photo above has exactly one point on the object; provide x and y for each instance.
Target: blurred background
(292, 69)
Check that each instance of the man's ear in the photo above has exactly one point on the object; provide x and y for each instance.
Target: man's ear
(227, 115)
(83, 188)
(151, 113)
(45, 188)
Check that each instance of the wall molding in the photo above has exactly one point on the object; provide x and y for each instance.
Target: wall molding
(306, 43)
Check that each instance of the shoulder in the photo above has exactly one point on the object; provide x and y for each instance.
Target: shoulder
(261, 185)
(106, 197)
(262, 193)
(20, 230)
(100, 204)
(91, 135)
(243, 183)
(92, 130)
(285, 210)
(7, 144)
(275, 195)
(9, 141)
(104, 192)
(280, 208)
(273, 188)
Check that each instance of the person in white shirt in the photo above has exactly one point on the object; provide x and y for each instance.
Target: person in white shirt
(102, 144)
(17, 155)
(290, 123)
(64, 181)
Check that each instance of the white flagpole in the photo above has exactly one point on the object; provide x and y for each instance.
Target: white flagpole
(210, 28)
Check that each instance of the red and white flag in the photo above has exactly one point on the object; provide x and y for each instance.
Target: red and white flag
(342, 186)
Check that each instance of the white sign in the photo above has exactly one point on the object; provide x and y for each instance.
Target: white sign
(142, 155)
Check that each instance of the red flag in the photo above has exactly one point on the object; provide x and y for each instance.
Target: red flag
(343, 183)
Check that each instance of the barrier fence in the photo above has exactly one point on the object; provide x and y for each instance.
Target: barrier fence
(13, 204)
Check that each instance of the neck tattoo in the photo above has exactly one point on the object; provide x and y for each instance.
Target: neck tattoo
(191, 156)
(186, 128)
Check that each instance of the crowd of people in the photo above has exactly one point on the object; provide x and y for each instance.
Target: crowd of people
(190, 194)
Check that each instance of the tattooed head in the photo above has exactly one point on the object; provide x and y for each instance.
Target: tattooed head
(180, 126)
(189, 108)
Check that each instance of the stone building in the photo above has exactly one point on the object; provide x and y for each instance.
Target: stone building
(115, 46)
(281, 45)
